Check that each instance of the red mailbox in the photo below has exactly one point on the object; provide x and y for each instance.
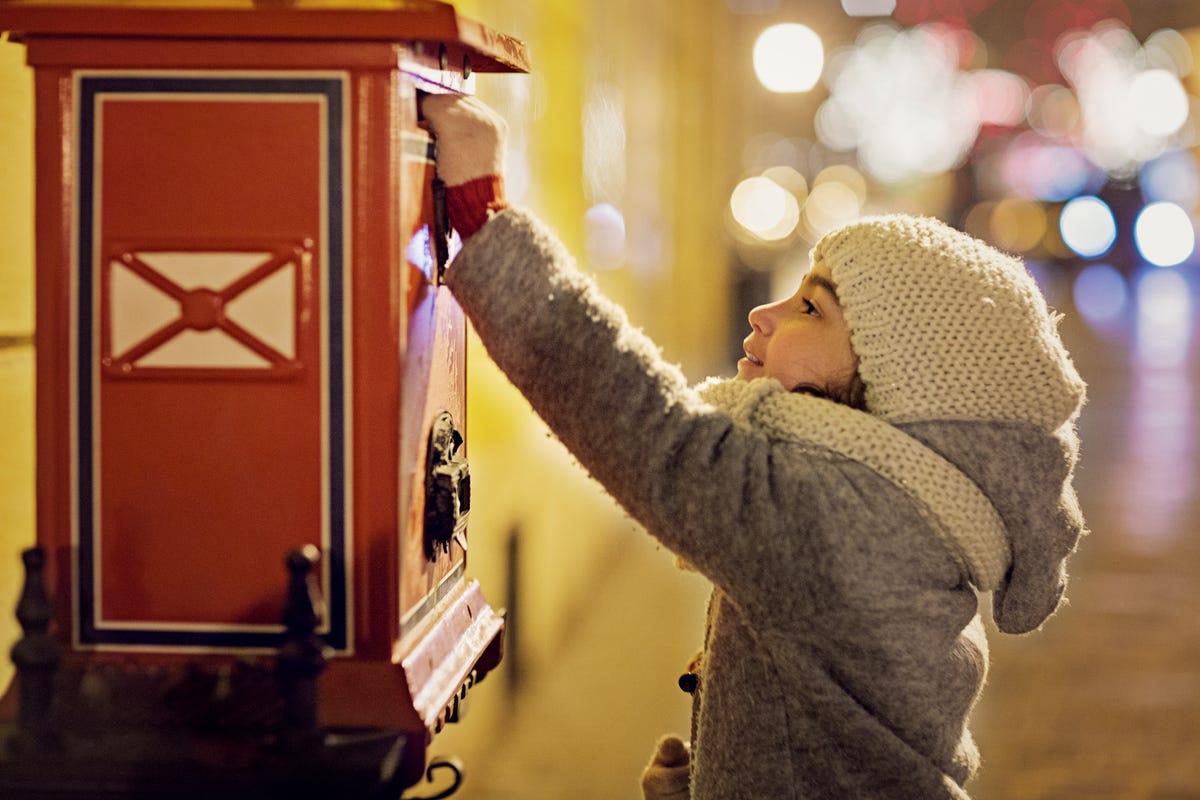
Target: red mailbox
(243, 347)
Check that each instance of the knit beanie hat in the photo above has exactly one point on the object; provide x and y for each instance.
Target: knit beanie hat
(948, 329)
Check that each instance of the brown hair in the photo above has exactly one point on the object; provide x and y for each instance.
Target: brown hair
(853, 393)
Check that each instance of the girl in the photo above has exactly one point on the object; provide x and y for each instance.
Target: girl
(900, 438)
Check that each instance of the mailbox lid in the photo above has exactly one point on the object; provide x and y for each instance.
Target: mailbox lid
(413, 20)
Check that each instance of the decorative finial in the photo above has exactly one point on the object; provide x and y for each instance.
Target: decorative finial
(35, 654)
(302, 654)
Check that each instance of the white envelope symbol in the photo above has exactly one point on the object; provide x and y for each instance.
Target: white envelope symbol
(203, 309)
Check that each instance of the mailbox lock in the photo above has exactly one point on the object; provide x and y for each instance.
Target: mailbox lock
(447, 488)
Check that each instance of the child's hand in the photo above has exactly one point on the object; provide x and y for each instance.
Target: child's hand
(470, 157)
(470, 137)
(666, 776)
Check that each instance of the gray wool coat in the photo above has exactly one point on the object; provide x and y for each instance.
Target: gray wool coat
(843, 648)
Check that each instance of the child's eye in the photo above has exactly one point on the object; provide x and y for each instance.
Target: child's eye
(809, 308)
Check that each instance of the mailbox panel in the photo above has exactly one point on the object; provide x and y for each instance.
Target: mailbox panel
(209, 343)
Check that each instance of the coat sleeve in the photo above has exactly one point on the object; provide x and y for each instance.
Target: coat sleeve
(701, 485)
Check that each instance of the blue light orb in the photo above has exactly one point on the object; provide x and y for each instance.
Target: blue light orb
(1100, 293)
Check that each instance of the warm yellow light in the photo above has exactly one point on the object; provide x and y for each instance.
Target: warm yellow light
(788, 58)
(846, 175)
(789, 179)
(829, 205)
(764, 208)
(1017, 225)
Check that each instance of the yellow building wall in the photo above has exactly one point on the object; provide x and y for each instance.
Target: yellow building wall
(655, 60)
(16, 330)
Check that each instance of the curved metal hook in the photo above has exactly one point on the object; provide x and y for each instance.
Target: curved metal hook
(451, 763)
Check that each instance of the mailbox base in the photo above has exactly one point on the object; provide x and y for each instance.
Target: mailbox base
(147, 764)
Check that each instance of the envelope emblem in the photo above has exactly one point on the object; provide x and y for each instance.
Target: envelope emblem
(235, 311)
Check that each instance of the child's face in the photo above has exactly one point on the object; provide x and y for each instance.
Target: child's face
(802, 341)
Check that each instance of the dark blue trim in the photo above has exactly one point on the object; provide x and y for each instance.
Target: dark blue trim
(90, 88)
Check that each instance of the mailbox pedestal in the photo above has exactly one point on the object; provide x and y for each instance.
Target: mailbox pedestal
(243, 350)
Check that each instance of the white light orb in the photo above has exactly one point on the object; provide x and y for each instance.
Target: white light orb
(1158, 102)
(1164, 234)
(1087, 226)
(788, 58)
(604, 232)
(764, 208)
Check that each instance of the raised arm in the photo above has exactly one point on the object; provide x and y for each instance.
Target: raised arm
(697, 481)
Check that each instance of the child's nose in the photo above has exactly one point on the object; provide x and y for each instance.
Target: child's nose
(760, 318)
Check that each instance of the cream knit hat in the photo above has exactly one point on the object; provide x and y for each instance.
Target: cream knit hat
(946, 327)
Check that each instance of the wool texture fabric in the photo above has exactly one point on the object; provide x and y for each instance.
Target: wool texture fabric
(947, 327)
(473, 203)
(950, 502)
(843, 647)
(666, 776)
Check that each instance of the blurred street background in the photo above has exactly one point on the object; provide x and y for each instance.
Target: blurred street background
(690, 152)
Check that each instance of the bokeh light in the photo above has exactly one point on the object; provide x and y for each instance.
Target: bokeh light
(1000, 98)
(900, 99)
(1087, 226)
(1168, 49)
(978, 220)
(1053, 111)
(771, 148)
(788, 57)
(1035, 168)
(868, 8)
(604, 143)
(1164, 234)
(517, 174)
(836, 125)
(1158, 102)
(1017, 225)
(1172, 177)
(849, 177)
(604, 236)
(764, 208)
(1164, 320)
(1100, 294)
(1130, 114)
(830, 204)
(789, 178)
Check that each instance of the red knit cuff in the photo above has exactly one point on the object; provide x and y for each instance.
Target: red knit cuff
(471, 204)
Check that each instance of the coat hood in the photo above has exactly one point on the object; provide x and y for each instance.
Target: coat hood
(1028, 476)
(957, 346)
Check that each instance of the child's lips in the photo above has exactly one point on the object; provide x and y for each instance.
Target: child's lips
(750, 357)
